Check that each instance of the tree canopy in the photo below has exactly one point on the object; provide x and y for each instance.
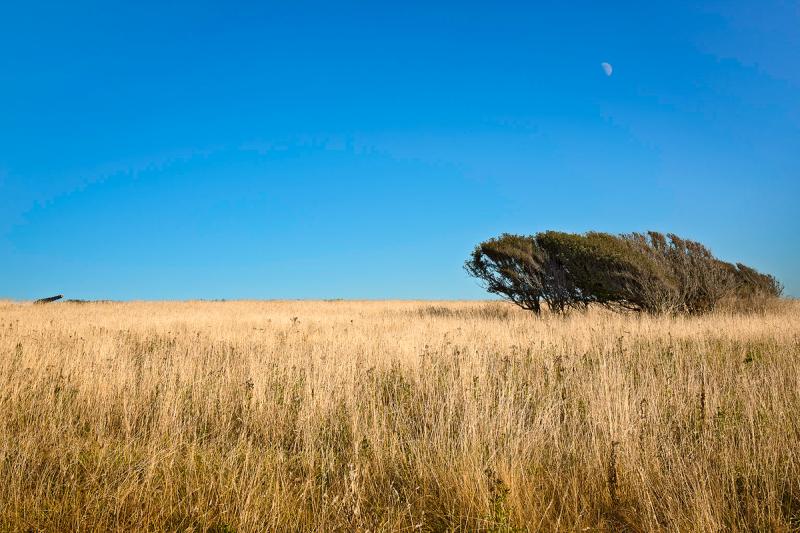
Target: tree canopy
(652, 272)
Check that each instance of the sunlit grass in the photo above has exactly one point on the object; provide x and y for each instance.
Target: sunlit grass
(255, 416)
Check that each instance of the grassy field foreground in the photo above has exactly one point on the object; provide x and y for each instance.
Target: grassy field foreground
(256, 416)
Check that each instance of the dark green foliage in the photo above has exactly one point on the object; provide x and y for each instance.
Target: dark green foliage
(652, 272)
(603, 268)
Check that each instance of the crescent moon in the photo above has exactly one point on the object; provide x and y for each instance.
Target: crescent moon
(607, 68)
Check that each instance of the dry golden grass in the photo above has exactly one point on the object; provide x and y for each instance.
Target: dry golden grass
(256, 416)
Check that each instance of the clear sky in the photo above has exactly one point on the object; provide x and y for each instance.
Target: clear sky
(361, 149)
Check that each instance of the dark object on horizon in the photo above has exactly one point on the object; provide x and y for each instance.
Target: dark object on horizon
(50, 299)
(652, 272)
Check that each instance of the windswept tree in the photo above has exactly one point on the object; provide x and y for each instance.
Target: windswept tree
(517, 268)
(690, 278)
(751, 282)
(510, 266)
(601, 267)
(653, 273)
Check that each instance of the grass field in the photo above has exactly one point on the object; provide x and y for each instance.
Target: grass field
(430, 416)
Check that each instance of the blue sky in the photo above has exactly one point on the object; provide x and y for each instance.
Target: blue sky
(361, 149)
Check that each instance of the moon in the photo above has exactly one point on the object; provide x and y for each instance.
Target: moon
(607, 68)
